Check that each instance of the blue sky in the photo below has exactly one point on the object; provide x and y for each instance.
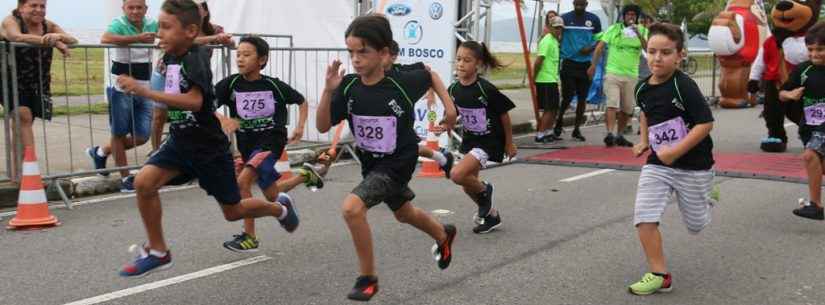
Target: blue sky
(77, 14)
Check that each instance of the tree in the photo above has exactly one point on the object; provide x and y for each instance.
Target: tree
(698, 13)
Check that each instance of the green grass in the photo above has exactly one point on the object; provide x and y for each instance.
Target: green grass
(76, 69)
(99, 108)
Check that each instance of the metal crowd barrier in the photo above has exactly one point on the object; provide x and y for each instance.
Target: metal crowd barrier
(75, 125)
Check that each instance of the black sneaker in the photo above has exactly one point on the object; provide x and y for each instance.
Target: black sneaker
(558, 131)
(290, 223)
(242, 243)
(810, 211)
(365, 288)
(621, 141)
(578, 135)
(487, 224)
(485, 200)
(450, 161)
(443, 253)
(539, 140)
(551, 138)
(609, 140)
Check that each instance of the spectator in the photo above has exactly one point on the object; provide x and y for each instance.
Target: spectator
(130, 116)
(626, 40)
(28, 24)
(577, 44)
(547, 77)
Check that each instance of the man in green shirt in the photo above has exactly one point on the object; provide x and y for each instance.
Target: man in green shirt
(626, 40)
(546, 70)
(130, 117)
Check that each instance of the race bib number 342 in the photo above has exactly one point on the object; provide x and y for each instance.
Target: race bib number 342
(667, 133)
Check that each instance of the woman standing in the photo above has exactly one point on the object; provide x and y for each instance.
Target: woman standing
(28, 24)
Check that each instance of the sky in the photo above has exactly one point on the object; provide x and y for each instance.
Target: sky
(85, 14)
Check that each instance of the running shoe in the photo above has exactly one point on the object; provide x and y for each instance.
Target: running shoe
(291, 221)
(651, 283)
(365, 288)
(145, 263)
(242, 243)
(443, 253)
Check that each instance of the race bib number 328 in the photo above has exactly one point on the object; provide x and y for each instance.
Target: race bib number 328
(375, 133)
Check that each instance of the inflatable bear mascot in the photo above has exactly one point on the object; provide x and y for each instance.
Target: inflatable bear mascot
(776, 60)
(735, 36)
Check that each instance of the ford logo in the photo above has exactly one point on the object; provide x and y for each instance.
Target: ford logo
(436, 11)
(399, 9)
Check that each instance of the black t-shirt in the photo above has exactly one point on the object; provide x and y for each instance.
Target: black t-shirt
(480, 106)
(379, 112)
(677, 99)
(812, 77)
(397, 68)
(261, 107)
(196, 132)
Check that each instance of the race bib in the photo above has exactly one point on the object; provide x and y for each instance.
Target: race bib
(474, 119)
(255, 105)
(668, 133)
(815, 114)
(173, 78)
(375, 133)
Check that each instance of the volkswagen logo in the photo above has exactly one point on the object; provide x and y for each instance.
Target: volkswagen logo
(436, 11)
(413, 32)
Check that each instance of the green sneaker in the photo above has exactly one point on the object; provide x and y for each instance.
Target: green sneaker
(314, 180)
(651, 283)
(242, 243)
(715, 193)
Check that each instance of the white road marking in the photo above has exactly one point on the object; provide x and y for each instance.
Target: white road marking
(170, 281)
(588, 175)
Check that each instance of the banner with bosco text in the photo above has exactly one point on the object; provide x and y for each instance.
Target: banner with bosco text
(425, 32)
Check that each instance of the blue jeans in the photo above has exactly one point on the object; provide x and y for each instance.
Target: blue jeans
(129, 114)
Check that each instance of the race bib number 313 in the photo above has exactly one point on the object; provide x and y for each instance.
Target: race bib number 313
(667, 133)
(375, 133)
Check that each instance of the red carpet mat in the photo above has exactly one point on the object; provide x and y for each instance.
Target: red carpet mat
(785, 167)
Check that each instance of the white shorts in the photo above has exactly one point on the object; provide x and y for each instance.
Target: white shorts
(656, 187)
(480, 155)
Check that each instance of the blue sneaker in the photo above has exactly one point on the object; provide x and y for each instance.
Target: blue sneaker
(291, 221)
(127, 185)
(98, 162)
(145, 263)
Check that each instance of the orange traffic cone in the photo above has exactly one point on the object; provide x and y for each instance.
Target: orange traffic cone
(430, 168)
(282, 166)
(32, 206)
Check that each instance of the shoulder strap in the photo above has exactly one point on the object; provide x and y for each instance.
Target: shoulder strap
(402, 91)
(804, 76)
(480, 87)
(281, 93)
(346, 88)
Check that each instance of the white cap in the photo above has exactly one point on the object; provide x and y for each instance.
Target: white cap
(556, 22)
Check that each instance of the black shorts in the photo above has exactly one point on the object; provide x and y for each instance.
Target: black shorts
(378, 187)
(574, 80)
(548, 94)
(215, 175)
(40, 105)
